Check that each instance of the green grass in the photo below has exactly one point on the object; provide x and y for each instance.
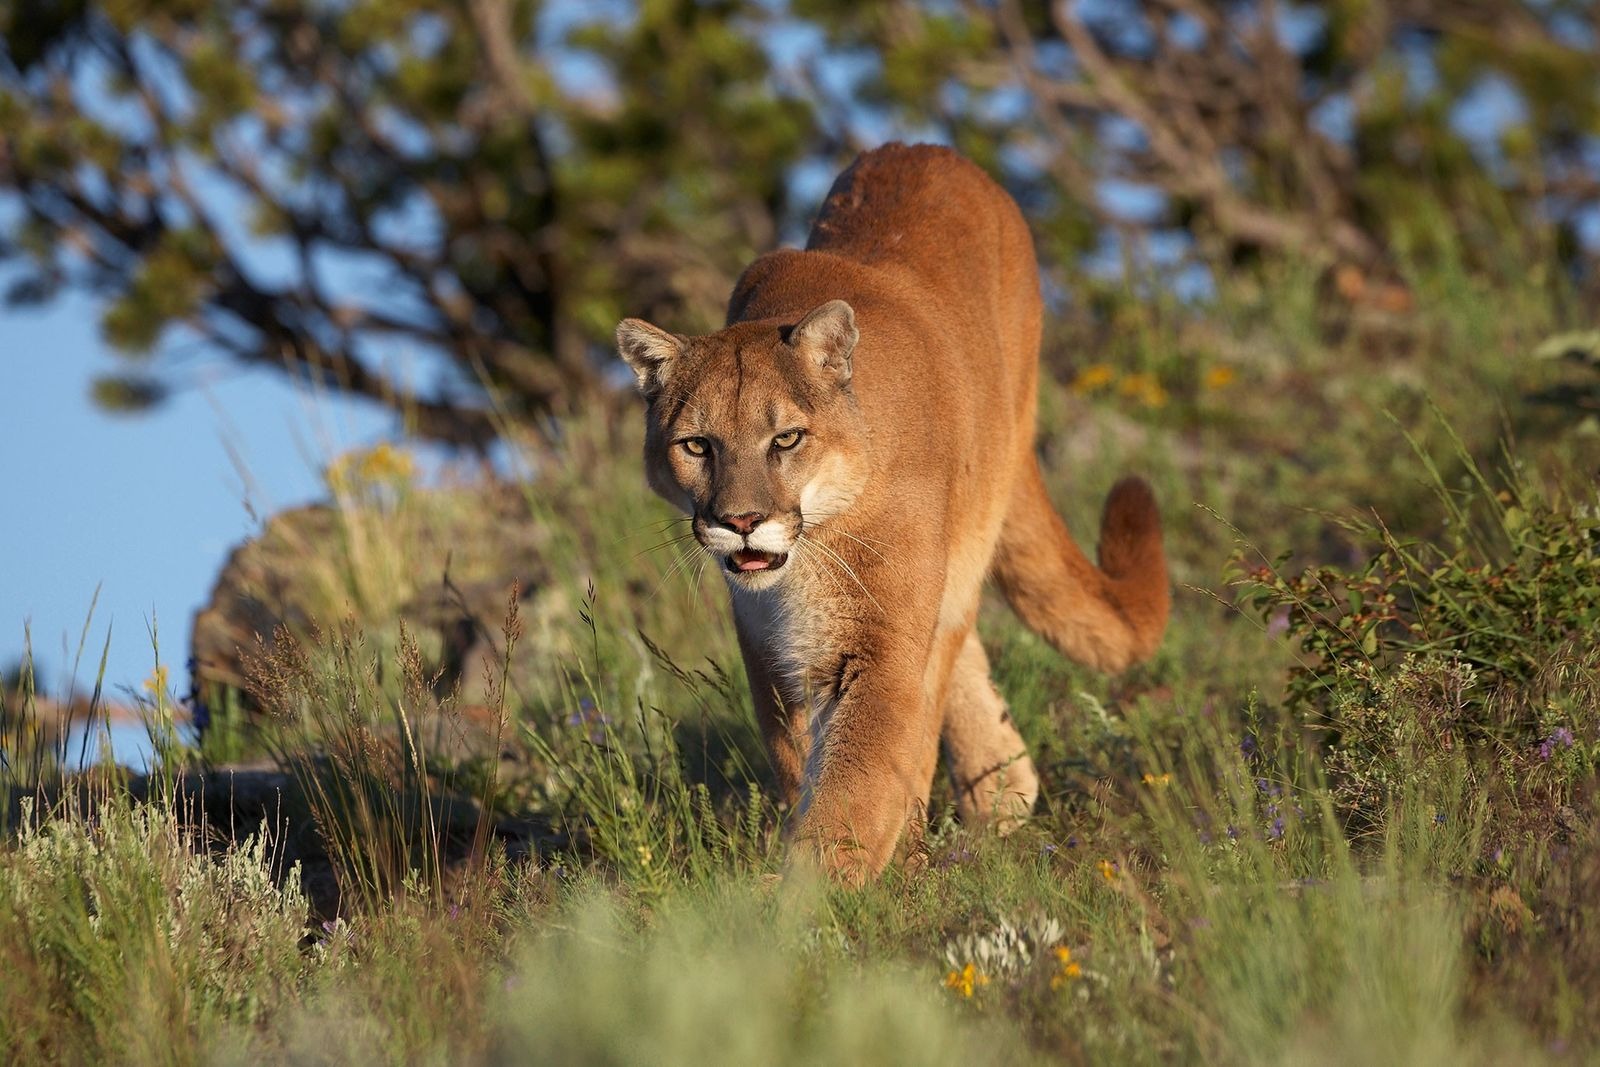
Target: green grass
(1279, 841)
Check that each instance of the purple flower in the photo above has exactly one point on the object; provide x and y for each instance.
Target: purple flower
(1275, 831)
(1248, 747)
(590, 717)
(955, 857)
(1561, 738)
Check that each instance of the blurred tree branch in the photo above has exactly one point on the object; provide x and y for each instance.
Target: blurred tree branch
(445, 207)
(222, 172)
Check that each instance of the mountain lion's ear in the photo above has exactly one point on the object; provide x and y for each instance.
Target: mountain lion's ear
(649, 350)
(828, 335)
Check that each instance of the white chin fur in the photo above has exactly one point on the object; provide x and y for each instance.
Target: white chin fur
(755, 580)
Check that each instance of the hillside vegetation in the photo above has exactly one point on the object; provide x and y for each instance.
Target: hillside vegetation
(1346, 814)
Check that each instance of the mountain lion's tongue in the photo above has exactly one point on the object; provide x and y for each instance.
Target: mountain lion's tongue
(748, 559)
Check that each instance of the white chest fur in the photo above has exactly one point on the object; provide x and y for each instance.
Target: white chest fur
(777, 624)
(790, 633)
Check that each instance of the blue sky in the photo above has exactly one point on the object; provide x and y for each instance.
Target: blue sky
(146, 506)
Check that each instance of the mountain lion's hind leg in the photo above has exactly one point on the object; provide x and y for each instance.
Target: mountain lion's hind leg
(993, 777)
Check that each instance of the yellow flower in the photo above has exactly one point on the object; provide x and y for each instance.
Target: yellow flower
(966, 980)
(1069, 969)
(1219, 377)
(156, 684)
(1094, 376)
(1108, 870)
(383, 463)
(1145, 388)
(387, 463)
(1157, 779)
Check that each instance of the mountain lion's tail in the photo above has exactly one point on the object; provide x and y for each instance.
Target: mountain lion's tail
(1108, 617)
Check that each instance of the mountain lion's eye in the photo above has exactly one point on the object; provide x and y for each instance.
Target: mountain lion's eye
(695, 446)
(786, 440)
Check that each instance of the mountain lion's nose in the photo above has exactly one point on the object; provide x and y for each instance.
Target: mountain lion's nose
(742, 523)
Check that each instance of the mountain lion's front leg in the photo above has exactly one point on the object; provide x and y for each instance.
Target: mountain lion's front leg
(783, 727)
(872, 757)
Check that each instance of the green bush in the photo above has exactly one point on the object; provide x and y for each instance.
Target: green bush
(118, 936)
(1427, 661)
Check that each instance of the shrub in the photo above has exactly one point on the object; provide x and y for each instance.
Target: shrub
(1476, 656)
(118, 936)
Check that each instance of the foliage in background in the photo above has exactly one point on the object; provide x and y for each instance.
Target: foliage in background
(342, 191)
(1482, 646)
(445, 207)
(1328, 131)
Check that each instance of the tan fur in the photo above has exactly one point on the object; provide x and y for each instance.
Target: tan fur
(904, 343)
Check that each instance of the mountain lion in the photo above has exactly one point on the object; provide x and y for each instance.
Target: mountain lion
(855, 449)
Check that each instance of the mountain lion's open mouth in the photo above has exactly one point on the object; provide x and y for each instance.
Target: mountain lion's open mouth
(751, 559)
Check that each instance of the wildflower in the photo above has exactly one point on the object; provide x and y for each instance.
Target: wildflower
(1157, 780)
(386, 463)
(955, 857)
(966, 980)
(382, 464)
(1562, 737)
(1145, 388)
(594, 721)
(1068, 971)
(156, 684)
(1219, 377)
(645, 855)
(1108, 870)
(1094, 376)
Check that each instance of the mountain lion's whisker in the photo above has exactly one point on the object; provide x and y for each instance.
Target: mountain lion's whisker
(860, 541)
(839, 560)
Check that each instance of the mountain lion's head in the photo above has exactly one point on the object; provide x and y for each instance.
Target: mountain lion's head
(753, 431)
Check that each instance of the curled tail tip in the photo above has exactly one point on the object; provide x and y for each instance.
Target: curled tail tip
(1131, 555)
(1130, 530)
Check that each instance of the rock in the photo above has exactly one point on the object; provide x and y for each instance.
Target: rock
(440, 563)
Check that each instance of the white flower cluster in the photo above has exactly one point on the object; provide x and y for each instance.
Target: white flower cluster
(1007, 950)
